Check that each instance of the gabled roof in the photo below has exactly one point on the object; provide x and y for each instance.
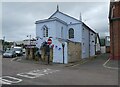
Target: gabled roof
(88, 28)
(57, 19)
(52, 19)
(63, 14)
(72, 18)
(97, 35)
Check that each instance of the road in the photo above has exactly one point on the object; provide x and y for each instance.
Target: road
(90, 73)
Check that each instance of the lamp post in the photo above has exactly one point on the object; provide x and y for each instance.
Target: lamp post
(63, 45)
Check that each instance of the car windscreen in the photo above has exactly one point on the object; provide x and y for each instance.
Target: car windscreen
(17, 49)
(8, 51)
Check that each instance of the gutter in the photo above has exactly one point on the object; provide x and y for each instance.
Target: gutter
(89, 43)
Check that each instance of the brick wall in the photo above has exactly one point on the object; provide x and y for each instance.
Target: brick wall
(115, 30)
(74, 51)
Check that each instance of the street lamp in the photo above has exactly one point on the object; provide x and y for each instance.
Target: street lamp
(63, 45)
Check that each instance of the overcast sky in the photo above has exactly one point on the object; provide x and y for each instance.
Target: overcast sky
(18, 18)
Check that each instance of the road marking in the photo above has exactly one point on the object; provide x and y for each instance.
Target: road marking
(13, 59)
(36, 73)
(19, 59)
(104, 65)
(79, 64)
(75, 65)
(4, 80)
(27, 75)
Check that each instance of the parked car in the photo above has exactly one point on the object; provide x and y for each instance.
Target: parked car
(18, 51)
(1, 52)
(9, 54)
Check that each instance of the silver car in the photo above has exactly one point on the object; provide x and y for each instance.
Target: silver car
(9, 54)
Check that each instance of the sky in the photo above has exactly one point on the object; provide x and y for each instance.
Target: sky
(18, 18)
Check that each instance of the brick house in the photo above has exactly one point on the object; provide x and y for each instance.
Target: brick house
(114, 19)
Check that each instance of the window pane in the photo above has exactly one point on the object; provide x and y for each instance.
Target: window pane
(71, 33)
(43, 32)
(46, 32)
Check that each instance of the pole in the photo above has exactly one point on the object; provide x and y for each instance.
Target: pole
(63, 45)
(30, 40)
(63, 55)
(48, 59)
(48, 53)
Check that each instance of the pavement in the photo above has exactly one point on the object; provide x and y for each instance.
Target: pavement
(109, 63)
(90, 72)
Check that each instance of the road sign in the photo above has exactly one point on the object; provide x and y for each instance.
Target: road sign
(49, 41)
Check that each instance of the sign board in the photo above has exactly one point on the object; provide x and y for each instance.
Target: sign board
(49, 41)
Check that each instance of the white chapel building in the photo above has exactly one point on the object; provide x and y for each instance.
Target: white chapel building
(62, 28)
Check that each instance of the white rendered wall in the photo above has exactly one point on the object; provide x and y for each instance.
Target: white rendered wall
(88, 40)
(85, 43)
(58, 54)
(92, 43)
(65, 18)
(58, 28)
(39, 31)
(103, 49)
(77, 32)
(98, 45)
(54, 30)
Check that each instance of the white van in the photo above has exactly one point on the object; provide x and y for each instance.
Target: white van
(18, 51)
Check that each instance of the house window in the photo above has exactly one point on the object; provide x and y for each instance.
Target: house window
(45, 31)
(91, 34)
(71, 33)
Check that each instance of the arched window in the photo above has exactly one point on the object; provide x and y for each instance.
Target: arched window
(45, 31)
(71, 33)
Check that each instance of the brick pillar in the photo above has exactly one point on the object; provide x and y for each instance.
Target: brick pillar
(115, 30)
